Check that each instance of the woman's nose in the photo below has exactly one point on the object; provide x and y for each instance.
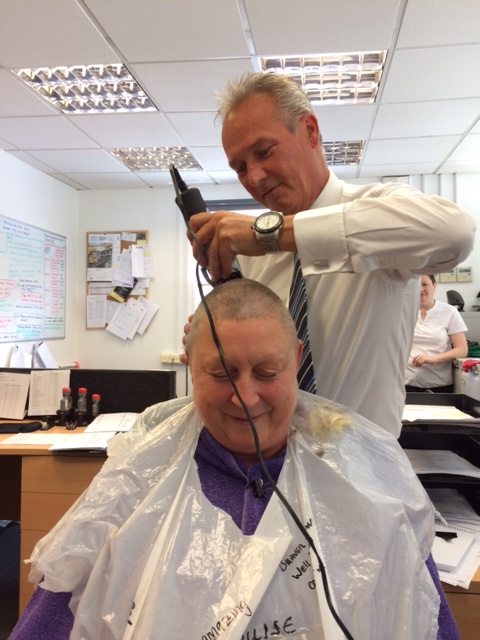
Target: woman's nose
(247, 387)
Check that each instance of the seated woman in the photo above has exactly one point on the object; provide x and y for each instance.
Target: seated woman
(439, 338)
(256, 512)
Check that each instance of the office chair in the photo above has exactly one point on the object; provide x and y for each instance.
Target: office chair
(455, 299)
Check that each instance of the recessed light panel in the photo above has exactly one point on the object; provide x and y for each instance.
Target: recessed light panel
(156, 158)
(343, 153)
(333, 78)
(97, 88)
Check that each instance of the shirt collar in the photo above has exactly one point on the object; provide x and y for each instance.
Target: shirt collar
(330, 194)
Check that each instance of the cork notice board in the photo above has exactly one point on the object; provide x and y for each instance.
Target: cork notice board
(109, 273)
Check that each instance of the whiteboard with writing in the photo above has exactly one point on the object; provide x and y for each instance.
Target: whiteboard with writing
(32, 282)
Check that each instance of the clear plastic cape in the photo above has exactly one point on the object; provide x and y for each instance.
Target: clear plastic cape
(146, 555)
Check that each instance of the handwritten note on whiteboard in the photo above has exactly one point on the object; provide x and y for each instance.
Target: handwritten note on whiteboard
(32, 282)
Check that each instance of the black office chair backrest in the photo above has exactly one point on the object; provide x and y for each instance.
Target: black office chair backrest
(455, 299)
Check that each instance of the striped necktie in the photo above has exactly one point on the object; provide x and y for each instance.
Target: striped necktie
(297, 305)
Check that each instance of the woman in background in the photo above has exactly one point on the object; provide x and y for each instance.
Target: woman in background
(439, 338)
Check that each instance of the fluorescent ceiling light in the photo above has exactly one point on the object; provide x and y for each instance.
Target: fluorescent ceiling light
(156, 158)
(332, 78)
(343, 153)
(96, 88)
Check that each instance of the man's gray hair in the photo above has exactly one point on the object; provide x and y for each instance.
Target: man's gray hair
(291, 100)
(242, 299)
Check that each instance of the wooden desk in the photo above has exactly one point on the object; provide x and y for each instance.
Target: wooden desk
(38, 487)
(465, 606)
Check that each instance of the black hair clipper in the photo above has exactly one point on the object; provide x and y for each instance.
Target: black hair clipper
(190, 202)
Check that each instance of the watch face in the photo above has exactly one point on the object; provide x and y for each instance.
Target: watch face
(268, 221)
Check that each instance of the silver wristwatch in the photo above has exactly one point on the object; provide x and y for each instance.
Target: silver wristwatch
(266, 228)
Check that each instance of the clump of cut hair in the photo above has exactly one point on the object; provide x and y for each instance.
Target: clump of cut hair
(291, 100)
(320, 419)
(242, 299)
(325, 421)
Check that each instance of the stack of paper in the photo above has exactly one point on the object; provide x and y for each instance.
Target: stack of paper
(455, 509)
(448, 552)
(440, 461)
(97, 434)
(457, 558)
(422, 412)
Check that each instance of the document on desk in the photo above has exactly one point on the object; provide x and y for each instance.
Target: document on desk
(112, 422)
(412, 412)
(46, 391)
(83, 442)
(440, 461)
(13, 395)
(37, 438)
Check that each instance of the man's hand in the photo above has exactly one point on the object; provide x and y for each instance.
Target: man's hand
(226, 235)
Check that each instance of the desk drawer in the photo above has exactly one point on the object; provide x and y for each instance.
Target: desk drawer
(43, 510)
(465, 609)
(59, 474)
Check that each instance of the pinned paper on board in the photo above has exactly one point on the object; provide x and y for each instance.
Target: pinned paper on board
(120, 267)
(132, 317)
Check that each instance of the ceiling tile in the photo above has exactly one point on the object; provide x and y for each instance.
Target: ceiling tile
(445, 22)
(51, 132)
(33, 162)
(174, 86)
(198, 129)
(127, 129)
(155, 178)
(196, 177)
(460, 167)
(283, 27)
(476, 127)
(50, 33)
(345, 172)
(211, 158)
(106, 180)
(79, 161)
(224, 176)
(435, 73)
(67, 180)
(345, 122)
(468, 150)
(5, 145)
(182, 30)
(441, 117)
(397, 169)
(403, 151)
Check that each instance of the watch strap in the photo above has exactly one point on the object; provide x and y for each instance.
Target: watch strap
(268, 241)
